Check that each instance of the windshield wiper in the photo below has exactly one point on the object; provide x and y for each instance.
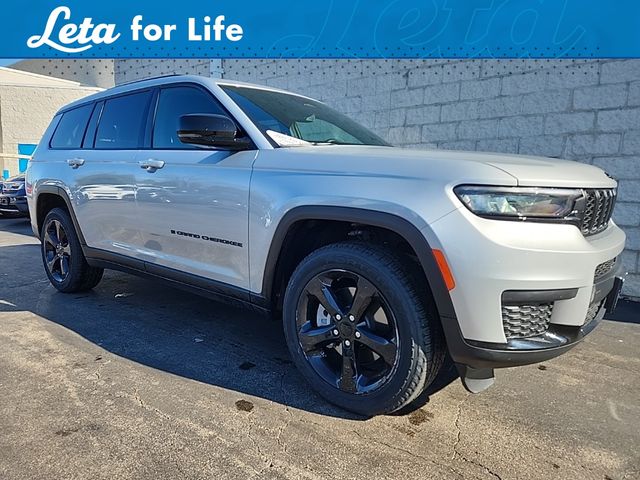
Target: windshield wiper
(334, 143)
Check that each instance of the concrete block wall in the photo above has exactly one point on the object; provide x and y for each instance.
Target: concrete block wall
(584, 110)
(137, 69)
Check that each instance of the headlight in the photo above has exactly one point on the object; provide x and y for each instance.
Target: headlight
(520, 203)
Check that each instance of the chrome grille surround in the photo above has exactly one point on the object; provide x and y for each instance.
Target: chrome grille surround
(597, 211)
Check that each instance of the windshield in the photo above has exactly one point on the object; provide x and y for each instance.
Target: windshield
(287, 119)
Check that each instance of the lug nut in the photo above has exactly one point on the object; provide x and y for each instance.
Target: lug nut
(352, 318)
(347, 343)
(338, 317)
(357, 334)
(336, 332)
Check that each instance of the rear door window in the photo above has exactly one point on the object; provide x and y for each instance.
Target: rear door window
(123, 122)
(70, 130)
(172, 104)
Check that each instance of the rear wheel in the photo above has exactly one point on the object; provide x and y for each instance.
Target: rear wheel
(361, 329)
(62, 256)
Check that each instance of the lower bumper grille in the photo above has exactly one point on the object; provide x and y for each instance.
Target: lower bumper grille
(522, 321)
(604, 268)
(593, 310)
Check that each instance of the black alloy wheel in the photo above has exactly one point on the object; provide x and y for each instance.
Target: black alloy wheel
(347, 331)
(362, 327)
(57, 250)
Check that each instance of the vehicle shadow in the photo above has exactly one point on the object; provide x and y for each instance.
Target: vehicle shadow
(167, 329)
(627, 311)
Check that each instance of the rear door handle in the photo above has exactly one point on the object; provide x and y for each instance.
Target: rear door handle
(151, 165)
(75, 162)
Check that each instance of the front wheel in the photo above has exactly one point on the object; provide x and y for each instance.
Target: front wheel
(361, 329)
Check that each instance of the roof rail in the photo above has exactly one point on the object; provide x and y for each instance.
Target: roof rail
(151, 78)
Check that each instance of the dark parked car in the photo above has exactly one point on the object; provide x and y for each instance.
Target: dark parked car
(13, 198)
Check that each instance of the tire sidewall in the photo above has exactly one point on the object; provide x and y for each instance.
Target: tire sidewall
(76, 257)
(399, 301)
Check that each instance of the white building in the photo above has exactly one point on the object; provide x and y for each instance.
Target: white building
(28, 102)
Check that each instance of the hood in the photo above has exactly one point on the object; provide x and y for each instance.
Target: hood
(521, 170)
(549, 172)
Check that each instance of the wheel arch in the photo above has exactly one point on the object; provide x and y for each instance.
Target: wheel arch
(53, 196)
(363, 218)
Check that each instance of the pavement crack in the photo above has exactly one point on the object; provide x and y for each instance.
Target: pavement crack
(142, 404)
(138, 399)
(456, 444)
(98, 371)
(286, 424)
(458, 431)
(264, 458)
(405, 451)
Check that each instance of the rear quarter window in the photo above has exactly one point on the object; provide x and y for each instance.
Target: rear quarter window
(123, 121)
(70, 130)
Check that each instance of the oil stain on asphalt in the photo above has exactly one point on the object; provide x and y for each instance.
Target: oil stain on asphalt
(244, 405)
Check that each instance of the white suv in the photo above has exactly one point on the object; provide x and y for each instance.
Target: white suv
(379, 259)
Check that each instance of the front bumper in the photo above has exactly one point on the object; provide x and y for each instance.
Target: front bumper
(14, 204)
(555, 341)
(497, 263)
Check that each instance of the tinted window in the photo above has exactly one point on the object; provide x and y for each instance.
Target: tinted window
(71, 128)
(172, 104)
(123, 121)
(299, 117)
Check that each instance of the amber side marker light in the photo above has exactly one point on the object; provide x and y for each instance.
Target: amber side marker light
(444, 269)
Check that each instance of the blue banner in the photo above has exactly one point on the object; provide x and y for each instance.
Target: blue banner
(329, 29)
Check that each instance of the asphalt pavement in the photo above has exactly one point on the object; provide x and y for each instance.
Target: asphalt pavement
(138, 380)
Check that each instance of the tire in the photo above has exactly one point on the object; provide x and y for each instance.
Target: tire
(62, 256)
(388, 354)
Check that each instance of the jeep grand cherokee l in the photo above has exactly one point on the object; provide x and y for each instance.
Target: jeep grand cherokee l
(379, 259)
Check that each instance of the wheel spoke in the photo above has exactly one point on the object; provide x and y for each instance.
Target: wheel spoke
(347, 380)
(51, 263)
(380, 345)
(67, 249)
(311, 338)
(59, 230)
(362, 298)
(50, 238)
(64, 266)
(325, 295)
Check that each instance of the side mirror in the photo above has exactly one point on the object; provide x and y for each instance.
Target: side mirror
(211, 130)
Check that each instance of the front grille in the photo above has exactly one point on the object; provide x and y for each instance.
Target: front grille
(604, 268)
(522, 321)
(597, 211)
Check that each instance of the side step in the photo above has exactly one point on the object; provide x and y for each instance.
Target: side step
(475, 380)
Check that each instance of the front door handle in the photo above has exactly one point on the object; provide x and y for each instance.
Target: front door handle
(75, 162)
(151, 165)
